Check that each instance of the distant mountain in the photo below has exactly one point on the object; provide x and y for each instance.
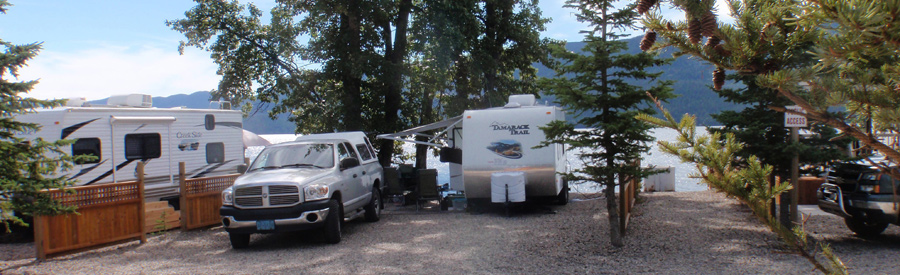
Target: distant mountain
(258, 121)
(692, 81)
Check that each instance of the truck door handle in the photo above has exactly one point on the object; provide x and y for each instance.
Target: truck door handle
(354, 176)
(364, 172)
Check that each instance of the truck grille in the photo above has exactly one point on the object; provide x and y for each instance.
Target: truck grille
(266, 196)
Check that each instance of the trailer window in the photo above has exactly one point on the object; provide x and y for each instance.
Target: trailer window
(364, 151)
(210, 122)
(215, 152)
(87, 146)
(142, 146)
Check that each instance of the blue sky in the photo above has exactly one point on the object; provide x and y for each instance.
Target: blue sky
(97, 48)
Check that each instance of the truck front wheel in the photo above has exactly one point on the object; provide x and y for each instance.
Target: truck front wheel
(865, 229)
(239, 240)
(332, 229)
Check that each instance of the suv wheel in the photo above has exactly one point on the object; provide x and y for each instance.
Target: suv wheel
(373, 211)
(865, 229)
(332, 230)
(239, 240)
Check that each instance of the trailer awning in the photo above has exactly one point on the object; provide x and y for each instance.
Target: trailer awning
(446, 125)
(141, 119)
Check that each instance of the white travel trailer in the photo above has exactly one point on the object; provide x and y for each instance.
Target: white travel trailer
(127, 130)
(480, 143)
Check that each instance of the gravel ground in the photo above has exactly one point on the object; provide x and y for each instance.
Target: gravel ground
(671, 233)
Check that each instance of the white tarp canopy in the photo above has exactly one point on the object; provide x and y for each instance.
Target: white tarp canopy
(446, 125)
(252, 139)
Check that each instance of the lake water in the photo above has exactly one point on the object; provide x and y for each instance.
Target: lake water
(655, 158)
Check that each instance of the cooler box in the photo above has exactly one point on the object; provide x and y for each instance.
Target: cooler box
(514, 181)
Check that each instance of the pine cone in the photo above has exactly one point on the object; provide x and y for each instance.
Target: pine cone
(669, 26)
(720, 49)
(644, 5)
(694, 33)
(718, 79)
(648, 40)
(708, 24)
(712, 41)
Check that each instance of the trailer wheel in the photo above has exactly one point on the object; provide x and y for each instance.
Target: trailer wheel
(563, 197)
(865, 229)
(373, 211)
(239, 240)
(332, 229)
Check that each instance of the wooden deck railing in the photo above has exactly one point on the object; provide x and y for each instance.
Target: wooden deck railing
(107, 213)
(627, 192)
(201, 199)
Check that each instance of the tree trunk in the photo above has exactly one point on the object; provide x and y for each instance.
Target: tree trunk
(394, 58)
(612, 207)
(352, 80)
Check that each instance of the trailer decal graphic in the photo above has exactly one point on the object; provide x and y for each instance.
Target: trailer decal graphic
(507, 148)
(521, 129)
(118, 167)
(87, 170)
(210, 169)
(71, 129)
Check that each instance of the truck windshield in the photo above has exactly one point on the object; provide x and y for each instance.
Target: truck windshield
(316, 155)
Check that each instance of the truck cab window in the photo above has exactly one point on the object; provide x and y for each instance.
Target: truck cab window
(364, 151)
(87, 146)
(142, 146)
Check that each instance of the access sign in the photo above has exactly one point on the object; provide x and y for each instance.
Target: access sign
(794, 120)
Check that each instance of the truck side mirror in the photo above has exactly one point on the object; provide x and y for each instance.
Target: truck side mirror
(349, 163)
(242, 168)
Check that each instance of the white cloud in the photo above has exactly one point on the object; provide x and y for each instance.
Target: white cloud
(108, 70)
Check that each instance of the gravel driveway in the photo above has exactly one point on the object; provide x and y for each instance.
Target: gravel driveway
(671, 233)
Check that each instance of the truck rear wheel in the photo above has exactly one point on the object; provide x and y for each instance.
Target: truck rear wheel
(239, 240)
(863, 228)
(373, 209)
(332, 229)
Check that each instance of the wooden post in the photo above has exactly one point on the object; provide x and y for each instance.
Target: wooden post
(622, 204)
(183, 201)
(40, 237)
(141, 207)
(795, 177)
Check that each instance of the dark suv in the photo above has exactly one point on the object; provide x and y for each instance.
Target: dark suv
(863, 195)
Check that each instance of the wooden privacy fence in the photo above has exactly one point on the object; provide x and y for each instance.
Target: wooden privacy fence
(627, 191)
(107, 213)
(201, 199)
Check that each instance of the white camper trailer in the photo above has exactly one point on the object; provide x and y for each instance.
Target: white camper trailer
(128, 130)
(480, 143)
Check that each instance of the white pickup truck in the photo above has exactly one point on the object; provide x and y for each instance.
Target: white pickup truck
(316, 182)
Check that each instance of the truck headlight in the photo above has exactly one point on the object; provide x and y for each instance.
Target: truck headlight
(315, 192)
(227, 197)
(870, 188)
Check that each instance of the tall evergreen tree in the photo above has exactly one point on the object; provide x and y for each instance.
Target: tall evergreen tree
(596, 86)
(763, 134)
(853, 46)
(28, 166)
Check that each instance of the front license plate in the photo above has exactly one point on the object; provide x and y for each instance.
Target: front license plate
(265, 225)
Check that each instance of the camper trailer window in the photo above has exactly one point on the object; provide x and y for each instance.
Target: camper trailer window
(215, 152)
(87, 146)
(210, 122)
(364, 151)
(369, 143)
(142, 146)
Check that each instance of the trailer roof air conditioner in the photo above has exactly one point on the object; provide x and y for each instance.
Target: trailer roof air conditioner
(131, 100)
